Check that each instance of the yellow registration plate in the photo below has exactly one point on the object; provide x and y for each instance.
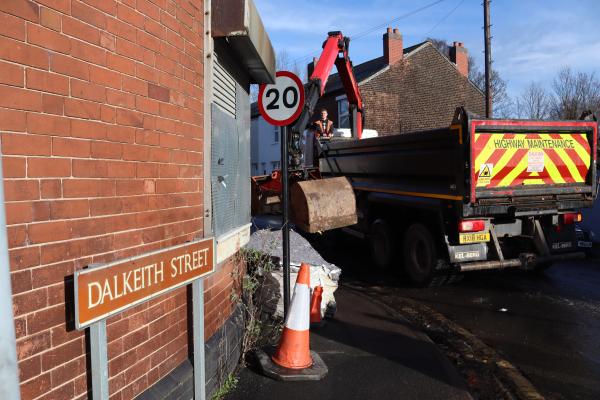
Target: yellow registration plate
(465, 238)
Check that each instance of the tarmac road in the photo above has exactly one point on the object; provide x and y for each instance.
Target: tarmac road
(546, 324)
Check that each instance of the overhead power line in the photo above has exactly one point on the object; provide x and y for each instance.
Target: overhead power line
(367, 32)
(387, 23)
(445, 17)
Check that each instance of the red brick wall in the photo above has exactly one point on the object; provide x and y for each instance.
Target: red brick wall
(393, 48)
(101, 122)
(419, 93)
(460, 56)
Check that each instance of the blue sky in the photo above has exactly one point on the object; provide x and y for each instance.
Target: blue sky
(532, 39)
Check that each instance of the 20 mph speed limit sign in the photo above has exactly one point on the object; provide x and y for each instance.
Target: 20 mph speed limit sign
(281, 103)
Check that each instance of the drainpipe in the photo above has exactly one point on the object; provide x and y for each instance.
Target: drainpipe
(9, 373)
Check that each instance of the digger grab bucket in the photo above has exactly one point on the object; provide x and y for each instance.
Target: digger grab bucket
(323, 204)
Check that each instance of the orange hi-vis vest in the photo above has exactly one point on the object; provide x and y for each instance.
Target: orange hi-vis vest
(324, 130)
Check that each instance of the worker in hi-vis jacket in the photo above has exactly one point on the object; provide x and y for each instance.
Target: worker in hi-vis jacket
(324, 126)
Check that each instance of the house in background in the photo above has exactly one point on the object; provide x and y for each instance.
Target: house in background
(265, 154)
(407, 89)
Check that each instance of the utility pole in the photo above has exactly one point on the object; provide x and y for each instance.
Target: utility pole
(488, 59)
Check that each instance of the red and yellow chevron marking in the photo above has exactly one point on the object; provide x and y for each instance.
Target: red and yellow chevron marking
(510, 159)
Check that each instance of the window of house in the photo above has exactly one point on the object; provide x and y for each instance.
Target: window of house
(274, 165)
(276, 134)
(343, 112)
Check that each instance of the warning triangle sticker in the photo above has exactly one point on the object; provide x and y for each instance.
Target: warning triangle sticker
(485, 172)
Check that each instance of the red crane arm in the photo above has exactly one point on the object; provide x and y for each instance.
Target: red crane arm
(335, 52)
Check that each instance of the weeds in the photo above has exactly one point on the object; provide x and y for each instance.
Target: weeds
(258, 298)
(253, 291)
(227, 387)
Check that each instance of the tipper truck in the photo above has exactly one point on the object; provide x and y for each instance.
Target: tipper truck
(479, 194)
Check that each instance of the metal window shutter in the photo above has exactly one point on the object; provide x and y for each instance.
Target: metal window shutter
(230, 167)
(225, 171)
(223, 89)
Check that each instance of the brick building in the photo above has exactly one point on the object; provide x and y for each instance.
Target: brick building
(108, 127)
(407, 89)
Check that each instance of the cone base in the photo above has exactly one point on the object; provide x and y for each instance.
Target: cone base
(315, 372)
(281, 363)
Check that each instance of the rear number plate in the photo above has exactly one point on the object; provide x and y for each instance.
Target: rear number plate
(465, 238)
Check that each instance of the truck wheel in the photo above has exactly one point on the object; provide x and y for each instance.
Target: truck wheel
(381, 244)
(542, 267)
(420, 255)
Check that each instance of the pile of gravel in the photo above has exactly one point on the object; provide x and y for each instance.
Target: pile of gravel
(301, 251)
(327, 275)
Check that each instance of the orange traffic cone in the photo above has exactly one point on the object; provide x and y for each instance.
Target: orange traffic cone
(315, 305)
(293, 351)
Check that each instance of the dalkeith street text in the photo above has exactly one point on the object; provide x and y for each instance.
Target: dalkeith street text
(142, 277)
(108, 289)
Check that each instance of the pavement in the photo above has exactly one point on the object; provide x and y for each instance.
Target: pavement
(370, 355)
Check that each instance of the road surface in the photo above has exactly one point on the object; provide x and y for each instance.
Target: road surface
(547, 324)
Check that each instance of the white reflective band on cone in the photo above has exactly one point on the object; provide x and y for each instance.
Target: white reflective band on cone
(298, 317)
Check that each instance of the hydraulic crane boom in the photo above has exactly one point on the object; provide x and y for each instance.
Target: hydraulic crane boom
(335, 52)
(319, 204)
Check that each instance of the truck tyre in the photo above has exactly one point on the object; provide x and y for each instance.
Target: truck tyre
(540, 268)
(420, 255)
(381, 244)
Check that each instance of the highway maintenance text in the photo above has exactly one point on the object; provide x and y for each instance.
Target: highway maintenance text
(534, 143)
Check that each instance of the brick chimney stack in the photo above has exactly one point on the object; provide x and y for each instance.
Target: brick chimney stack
(460, 56)
(393, 49)
(311, 67)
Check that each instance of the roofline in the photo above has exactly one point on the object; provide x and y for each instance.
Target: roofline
(418, 48)
(455, 67)
(387, 66)
(414, 51)
(375, 75)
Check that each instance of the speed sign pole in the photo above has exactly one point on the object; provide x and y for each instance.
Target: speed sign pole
(285, 221)
(280, 104)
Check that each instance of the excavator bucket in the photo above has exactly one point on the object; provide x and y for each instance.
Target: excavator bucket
(322, 204)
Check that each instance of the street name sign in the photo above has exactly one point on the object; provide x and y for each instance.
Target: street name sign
(281, 103)
(111, 288)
